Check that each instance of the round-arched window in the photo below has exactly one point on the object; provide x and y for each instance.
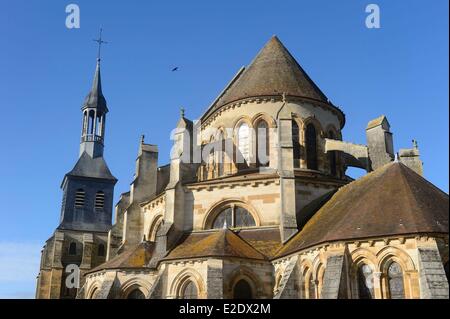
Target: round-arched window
(244, 142)
(296, 143)
(262, 144)
(311, 147)
(242, 290)
(72, 249)
(233, 217)
(395, 281)
(101, 250)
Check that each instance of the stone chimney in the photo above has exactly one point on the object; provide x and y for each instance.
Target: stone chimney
(143, 186)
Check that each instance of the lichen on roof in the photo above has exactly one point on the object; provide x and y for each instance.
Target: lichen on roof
(134, 257)
(390, 201)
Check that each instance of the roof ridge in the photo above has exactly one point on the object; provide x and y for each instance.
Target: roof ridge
(245, 242)
(412, 195)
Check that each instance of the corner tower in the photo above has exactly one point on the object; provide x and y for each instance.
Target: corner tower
(82, 235)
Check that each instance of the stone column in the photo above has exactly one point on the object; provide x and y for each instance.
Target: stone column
(288, 218)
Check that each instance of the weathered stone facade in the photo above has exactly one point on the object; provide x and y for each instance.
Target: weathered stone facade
(288, 223)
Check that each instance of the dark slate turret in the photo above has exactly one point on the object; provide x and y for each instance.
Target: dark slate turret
(89, 186)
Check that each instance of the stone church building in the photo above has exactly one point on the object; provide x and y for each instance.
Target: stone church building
(255, 203)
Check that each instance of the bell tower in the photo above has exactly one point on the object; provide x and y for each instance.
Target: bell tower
(80, 240)
(94, 118)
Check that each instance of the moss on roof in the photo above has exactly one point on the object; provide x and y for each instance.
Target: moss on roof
(393, 200)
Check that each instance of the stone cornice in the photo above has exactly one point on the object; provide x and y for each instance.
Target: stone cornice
(209, 118)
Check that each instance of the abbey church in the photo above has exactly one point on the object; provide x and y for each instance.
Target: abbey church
(255, 203)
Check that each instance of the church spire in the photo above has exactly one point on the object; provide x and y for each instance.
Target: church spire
(94, 113)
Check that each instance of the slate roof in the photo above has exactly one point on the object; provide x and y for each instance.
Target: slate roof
(133, 257)
(390, 201)
(274, 71)
(95, 98)
(265, 240)
(217, 243)
(87, 166)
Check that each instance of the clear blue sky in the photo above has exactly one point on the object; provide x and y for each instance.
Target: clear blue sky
(400, 70)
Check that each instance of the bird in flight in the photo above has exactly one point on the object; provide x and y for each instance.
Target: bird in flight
(175, 69)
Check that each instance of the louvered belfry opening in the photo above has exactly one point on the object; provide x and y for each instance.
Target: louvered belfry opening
(99, 200)
(80, 196)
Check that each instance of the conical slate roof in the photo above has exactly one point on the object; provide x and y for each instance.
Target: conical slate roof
(391, 201)
(274, 71)
(95, 98)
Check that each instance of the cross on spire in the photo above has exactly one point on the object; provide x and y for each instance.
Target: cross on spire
(100, 42)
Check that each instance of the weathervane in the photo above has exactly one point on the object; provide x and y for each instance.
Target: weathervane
(100, 42)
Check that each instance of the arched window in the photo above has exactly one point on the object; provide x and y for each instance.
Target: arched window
(320, 274)
(303, 290)
(365, 282)
(242, 290)
(95, 293)
(395, 281)
(244, 142)
(85, 123)
(101, 250)
(212, 164)
(220, 155)
(189, 290)
(99, 200)
(311, 147)
(332, 157)
(98, 125)
(72, 249)
(136, 294)
(79, 198)
(312, 288)
(234, 217)
(296, 143)
(262, 144)
(91, 123)
(156, 226)
(308, 288)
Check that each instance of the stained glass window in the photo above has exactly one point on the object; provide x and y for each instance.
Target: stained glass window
(243, 218)
(395, 281)
(225, 215)
(235, 217)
